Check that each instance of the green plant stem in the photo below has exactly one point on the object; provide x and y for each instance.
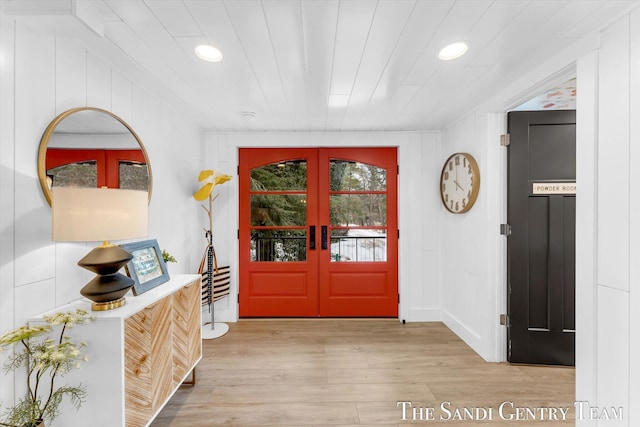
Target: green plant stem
(30, 372)
(35, 391)
(53, 376)
(64, 326)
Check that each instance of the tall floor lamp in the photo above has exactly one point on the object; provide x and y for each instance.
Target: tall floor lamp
(101, 214)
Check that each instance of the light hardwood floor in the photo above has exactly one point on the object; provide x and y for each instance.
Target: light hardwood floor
(353, 372)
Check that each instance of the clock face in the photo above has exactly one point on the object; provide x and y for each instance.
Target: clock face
(459, 182)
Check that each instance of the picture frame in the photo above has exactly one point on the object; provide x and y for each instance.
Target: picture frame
(147, 267)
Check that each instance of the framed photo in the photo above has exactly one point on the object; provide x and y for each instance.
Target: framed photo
(147, 268)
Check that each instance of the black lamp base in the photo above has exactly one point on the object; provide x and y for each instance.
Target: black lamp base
(108, 288)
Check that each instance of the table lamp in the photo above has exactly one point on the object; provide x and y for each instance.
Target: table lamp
(101, 214)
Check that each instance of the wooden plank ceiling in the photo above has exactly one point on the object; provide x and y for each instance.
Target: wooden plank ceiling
(342, 65)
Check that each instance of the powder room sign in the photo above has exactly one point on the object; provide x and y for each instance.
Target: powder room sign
(554, 188)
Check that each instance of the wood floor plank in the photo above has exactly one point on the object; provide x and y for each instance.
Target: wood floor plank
(353, 372)
(321, 393)
(278, 414)
(460, 374)
(264, 376)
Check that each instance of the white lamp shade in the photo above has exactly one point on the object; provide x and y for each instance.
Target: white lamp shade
(98, 214)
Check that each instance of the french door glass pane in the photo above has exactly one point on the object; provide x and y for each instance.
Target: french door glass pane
(358, 245)
(278, 245)
(358, 209)
(133, 176)
(278, 209)
(81, 174)
(353, 176)
(283, 176)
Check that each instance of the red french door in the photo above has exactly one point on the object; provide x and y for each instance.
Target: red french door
(318, 232)
(278, 207)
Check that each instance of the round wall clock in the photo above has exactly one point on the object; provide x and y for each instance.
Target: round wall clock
(459, 182)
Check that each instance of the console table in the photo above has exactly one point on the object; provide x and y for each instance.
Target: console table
(139, 354)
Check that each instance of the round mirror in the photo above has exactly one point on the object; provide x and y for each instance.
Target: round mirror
(91, 147)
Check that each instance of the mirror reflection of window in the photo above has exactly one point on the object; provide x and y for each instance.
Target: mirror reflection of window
(91, 147)
(98, 168)
(133, 175)
(80, 174)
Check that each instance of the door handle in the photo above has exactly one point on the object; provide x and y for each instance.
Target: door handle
(312, 237)
(324, 237)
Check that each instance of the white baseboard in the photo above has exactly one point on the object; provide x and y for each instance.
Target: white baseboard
(466, 334)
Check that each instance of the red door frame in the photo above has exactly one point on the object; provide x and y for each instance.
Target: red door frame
(318, 287)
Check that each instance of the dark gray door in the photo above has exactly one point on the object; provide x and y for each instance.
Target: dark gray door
(541, 248)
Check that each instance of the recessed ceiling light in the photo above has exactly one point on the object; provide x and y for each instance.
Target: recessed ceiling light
(453, 51)
(209, 53)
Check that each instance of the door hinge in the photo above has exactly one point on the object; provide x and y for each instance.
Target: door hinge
(505, 229)
(238, 170)
(505, 140)
(398, 297)
(398, 170)
(238, 234)
(398, 233)
(504, 320)
(238, 297)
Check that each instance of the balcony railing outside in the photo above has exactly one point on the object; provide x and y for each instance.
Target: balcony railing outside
(288, 248)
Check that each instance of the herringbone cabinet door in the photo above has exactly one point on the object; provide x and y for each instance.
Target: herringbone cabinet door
(137, 362)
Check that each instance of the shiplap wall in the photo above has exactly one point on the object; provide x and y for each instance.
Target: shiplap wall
(418, 201)
(42, 76)
(472, 257)
(617, 207)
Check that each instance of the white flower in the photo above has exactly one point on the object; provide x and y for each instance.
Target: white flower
(42, 356)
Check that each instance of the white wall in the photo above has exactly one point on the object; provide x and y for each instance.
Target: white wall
(473, 238)
(586, 226)
(615, 290)
(6, 198)
(40, 77)
(633, 336)
(472, 258)
(607, 230)
(417, 199)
